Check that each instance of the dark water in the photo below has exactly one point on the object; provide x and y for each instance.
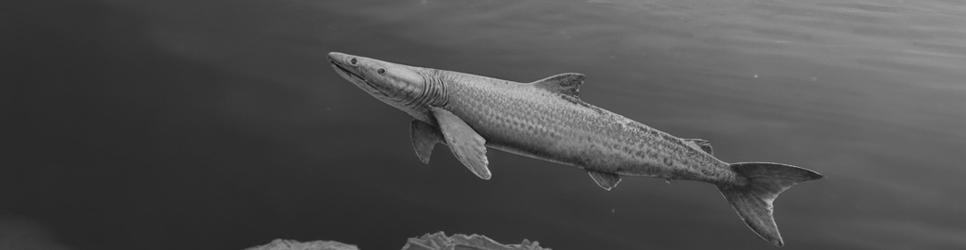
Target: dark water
(220, 125)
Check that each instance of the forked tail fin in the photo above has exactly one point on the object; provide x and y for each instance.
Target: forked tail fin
(753, 201)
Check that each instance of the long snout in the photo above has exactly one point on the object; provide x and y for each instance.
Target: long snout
(339, 57)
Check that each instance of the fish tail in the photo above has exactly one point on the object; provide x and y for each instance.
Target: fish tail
(753, 200)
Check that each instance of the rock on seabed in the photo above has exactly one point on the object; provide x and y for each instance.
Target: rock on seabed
(280, 244)
(439, 241)
(435, 241)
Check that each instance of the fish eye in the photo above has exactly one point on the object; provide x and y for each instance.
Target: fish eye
(353, 61)
(381, 71)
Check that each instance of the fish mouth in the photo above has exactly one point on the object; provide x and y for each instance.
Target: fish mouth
(345, 70)
(351, 74)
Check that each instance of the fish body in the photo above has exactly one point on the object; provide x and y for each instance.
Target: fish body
(547, 120)
(529, 120)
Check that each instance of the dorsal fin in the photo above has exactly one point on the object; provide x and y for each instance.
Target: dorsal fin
(702, 144)
(566, 83)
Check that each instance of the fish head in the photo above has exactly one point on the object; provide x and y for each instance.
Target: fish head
(398, 85)
(379, 77)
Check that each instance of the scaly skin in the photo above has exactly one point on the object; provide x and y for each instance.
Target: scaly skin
(522, 119)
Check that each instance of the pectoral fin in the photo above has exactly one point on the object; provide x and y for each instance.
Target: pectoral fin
(424, 137)
(468, 146)
(607, 181)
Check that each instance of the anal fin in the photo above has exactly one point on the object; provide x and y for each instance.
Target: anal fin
(607, 181)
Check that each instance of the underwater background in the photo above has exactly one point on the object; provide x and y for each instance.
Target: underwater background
(220, 124)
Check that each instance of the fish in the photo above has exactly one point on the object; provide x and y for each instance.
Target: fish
(546, 119)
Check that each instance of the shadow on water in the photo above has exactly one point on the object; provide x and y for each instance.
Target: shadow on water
(220, 125)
